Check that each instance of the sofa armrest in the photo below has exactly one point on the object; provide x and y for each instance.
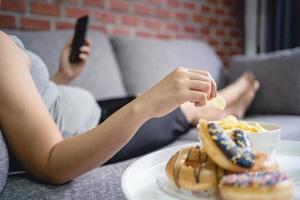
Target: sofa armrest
(278, 74)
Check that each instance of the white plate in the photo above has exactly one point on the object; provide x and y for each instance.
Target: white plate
(140, 179)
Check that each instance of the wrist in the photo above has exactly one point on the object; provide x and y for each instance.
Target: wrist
(141, 108)
(61, 78)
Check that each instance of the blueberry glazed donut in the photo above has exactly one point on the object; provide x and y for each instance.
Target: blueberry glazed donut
(233, 152)
(256, 186)
(191, 169)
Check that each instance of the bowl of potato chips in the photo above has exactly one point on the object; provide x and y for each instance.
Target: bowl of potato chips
(263, 136)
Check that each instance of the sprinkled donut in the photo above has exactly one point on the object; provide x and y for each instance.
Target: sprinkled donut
(256, 186)
(233, 153)
(191, 169)
(237, 148)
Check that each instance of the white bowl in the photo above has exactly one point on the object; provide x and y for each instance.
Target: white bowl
(265, 141)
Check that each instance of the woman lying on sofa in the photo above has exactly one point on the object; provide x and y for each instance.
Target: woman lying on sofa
(34, 113)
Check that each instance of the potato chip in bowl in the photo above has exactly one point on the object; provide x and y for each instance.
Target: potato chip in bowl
(230, 122)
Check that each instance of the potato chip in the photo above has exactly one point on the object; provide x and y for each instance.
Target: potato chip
(230, 123)
(218, 102)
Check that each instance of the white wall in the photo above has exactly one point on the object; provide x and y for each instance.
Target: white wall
(251, 26)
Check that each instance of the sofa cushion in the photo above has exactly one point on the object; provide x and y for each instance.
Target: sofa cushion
(278, 73)
(143, 62)
(101, 75)
(3, 162)
(100, 183)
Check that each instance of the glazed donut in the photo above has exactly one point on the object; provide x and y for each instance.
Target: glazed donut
(233, 153)
(191, 169)
(256, 186)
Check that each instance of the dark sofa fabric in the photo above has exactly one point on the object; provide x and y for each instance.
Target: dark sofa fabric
(279, 77)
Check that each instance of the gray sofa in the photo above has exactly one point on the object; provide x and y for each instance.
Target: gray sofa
(119, 66)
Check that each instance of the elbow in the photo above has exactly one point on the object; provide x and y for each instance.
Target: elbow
(57, 179)
(52, 176)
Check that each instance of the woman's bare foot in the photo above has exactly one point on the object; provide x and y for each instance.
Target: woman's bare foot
(235, 90)
(241, 105)
(238, 97)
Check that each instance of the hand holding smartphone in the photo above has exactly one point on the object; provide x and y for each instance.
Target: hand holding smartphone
(78, 39)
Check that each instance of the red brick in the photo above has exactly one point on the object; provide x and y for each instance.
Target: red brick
(144, 34)
(106, 17)
(213, 42)
(225, 62)
(163, 13)
(190, 5)
(163, 36)
(240, 44)
(34, 24)
(205, 9)
(76, 12)
(120, 31)
(98, 28)
(227, 23)
(233, 52)
(182, 36)
(45, 9)
(198, 18)
(221, 53)
(98, 3)
(13, 5)
(152, 24)
(7, 21)
(70, 1)
(130, 20)
(64, 25)
(143, 9)
(157, 1)
(190, 29)
(172, 27)
(174, 3)
(181, 16)
(234, 33)
(227, 43)
(220, 32)
(118, 5)
(233, 13)
(205, 31)
(220, 11)
(228, 2)
(212, 21)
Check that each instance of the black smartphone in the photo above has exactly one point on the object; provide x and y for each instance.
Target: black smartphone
(79, 38)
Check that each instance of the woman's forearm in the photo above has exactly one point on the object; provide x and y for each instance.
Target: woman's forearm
(79, 154)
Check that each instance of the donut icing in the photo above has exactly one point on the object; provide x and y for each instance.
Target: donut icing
(256, 179)
(237, 148)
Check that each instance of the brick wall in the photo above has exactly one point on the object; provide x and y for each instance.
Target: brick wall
(219, 22)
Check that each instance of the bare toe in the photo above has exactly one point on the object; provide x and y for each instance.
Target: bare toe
(256, 85)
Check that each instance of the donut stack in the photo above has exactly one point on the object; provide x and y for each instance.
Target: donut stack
(225, 164)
